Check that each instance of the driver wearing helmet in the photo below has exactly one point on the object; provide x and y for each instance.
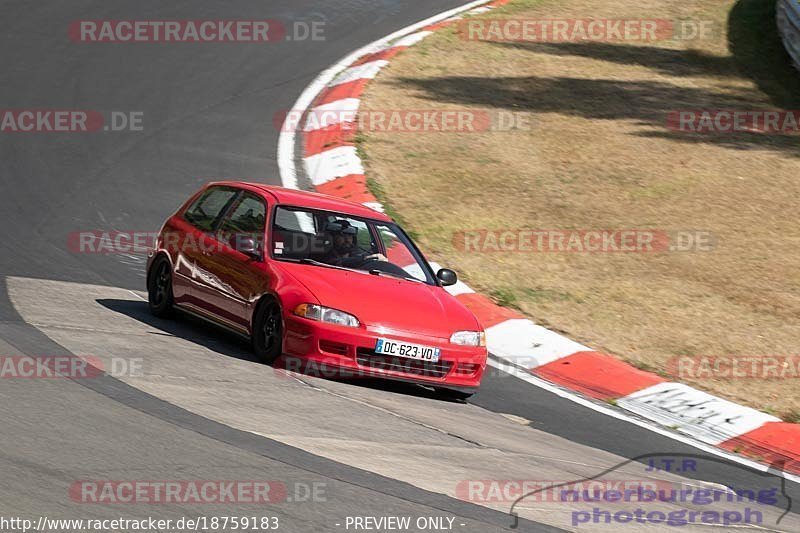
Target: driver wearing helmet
(345, 252)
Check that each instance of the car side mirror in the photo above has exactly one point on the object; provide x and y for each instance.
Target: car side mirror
(247, 245)
(447, 277)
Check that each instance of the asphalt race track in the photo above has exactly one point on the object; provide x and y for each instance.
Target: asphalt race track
(201, 408)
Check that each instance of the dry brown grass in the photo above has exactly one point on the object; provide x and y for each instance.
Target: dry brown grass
(599, 156)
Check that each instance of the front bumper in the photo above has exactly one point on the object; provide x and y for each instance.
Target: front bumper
(338, 352)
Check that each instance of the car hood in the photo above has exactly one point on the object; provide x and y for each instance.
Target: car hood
(385, 303)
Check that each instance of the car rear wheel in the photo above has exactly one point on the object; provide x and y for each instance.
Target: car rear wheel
(450, 394)
(267, 337)
(159, 289)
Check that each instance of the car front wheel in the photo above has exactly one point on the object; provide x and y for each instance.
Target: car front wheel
(267, 337)
(159, 289)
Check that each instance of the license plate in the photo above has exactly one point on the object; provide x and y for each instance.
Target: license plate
(408, 350)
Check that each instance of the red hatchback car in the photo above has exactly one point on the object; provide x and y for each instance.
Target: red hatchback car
(321, 281)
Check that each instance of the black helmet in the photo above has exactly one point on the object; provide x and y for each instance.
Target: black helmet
(342, 227)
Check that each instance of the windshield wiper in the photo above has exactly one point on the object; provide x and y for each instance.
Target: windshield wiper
(376, 272)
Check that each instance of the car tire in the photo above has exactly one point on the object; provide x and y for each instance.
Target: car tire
(159, 289)
(267, 336)
(457, 395)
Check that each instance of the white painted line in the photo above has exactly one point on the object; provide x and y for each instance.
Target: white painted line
(411, 40)
(288, 135)
(614, 413)
(322, 116)
(332, 164)
(480, 10)
(137, 296)
(366, 71)
(694, 412)
(528, 345)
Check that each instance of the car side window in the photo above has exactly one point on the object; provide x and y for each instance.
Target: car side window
(292, 220)
(248, 217)
(206, 210)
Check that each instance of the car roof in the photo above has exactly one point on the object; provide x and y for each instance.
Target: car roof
(314, 200)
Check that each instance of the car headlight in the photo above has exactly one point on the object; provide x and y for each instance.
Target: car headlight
(469, 338)
(326, 314)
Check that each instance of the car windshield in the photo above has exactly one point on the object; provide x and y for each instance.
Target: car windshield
(329, 239)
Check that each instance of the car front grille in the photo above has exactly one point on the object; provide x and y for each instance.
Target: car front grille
(368, 358)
